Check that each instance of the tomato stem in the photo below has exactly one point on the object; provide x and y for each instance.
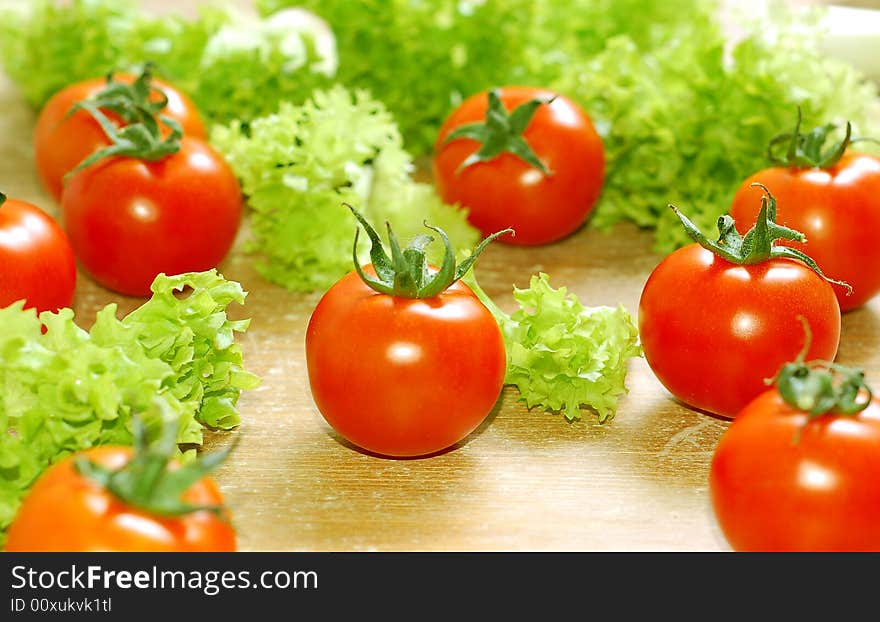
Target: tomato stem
(757, 245)
(805, 150)
(141, 135)
(146, 482)
(502, 132)
(820, 387)
(406, 274)
(130, 102)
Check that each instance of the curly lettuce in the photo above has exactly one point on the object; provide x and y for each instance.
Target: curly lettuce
(686, 123)
(64, 389)
(423, 58)
(300, 166)
(563, 356)
(234, 66)
(684, 113)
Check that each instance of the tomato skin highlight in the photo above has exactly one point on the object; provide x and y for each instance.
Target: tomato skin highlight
(403, 377)
(62, 142)
(37, 262)
(129, 220)
(779, 483)
(838, 209)
(508, 192)
(65, 511)
(713, 332)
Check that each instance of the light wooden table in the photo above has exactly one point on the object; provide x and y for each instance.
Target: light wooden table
(524, 481)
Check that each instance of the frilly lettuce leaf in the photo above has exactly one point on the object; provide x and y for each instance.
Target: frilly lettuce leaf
(68, 389)
(233, 65)
(685, 115)
(423, 58)
(249, 67)
(563, 356)
(300, 166)
(46, 45)
(688, 121)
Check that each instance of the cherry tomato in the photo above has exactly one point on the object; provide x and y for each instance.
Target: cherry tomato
(507, 191)
(779, 482)
(837, 208)
(129, 219)
(403, 376)
(61, 142)
(36, 259)
(713, 331)
(66, 511)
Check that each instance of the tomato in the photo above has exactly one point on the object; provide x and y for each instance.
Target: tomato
(67, 511)
(403, 377)
(837, 208)
(62, 142)
(36, 259)
(505, 190)
(779, 482)
(130, 219)
(716, 319)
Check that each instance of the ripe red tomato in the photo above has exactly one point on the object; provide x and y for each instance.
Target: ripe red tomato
(713, 331)
(178, 214)
(62, 142)
(506, 191)
(36, 259)
(837, 208)
(403, 376)
(779, 482)
(67, 511)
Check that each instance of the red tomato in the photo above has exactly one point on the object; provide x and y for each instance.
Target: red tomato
(60, 143)
(36, 259)
(781, 483)
(506, 191)
(713, 331)
(837, 208)
(66, 511)
(402, 376)
(129, 219)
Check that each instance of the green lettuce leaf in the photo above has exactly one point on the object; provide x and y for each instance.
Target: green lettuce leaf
(47, 45)
(247, 68)
(68, 389)
(423, 58)
(563, 356)
(685, 115)
(300, 166)
(689, 121)
(233, 65)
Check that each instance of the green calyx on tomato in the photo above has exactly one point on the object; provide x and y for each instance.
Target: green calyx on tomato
(502, 132)
(406, 274)
(757, 245)
(131, 102)
(805, 150)
(147, 482)
(141, 136)
(819, 387)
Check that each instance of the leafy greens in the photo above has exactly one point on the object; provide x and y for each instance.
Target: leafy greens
(685, 114)
(563, 356)
(300, 166)
(233, 65)
(66, 389)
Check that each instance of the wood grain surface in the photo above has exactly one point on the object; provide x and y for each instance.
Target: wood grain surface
(525, 481)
